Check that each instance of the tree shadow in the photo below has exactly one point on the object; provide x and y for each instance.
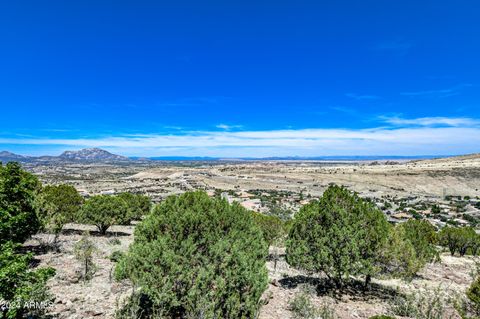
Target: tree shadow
(34, 262)
(272, 257)
(355, 289)
(95, 233)
(35, 249)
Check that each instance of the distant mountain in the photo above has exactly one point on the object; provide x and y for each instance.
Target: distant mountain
(84, 155)
(8, 157)
(91, 155)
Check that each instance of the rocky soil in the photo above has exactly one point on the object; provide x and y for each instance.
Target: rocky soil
(75, 298)
(99, 297)
(451, 276)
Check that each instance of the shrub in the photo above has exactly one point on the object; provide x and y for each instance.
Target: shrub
(436, 209)
(104, 211)
(84, 250)
(116, 256)
(423, 237)
(19, 283)
(58, 205)
(115, 241)
(302, 307)
(381, 317)
(473, 295)
(138, 205)
(422, 304)
(196, 256)
(340, 235)
(18, 213)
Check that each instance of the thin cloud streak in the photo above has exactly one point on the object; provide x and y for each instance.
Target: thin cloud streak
(397, 47)
(362, 96)
(455, 90)
(228, 127)
(432, 121)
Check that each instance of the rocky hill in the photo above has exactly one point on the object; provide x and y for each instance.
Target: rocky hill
(9, 156)
(91, 155)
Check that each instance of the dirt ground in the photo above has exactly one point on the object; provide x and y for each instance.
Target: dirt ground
(452, 276)
(99, 297)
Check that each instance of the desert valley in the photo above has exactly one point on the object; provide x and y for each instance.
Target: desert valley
(443, 191)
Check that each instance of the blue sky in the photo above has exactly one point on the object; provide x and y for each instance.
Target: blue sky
(240, 78)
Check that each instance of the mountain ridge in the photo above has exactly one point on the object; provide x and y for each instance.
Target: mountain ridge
(92, 154)
(82, 155)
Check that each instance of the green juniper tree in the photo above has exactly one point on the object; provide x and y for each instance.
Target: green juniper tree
(18, 221)
(18, 211)
(339, 235)
(58, 205)
(459, 239)
(398, 256)
(104, 211)
(197, 257)
(138, 205)
(423, 237)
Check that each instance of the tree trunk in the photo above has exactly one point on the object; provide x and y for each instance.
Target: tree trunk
(102, 229)
(86, 270)
(368, 279)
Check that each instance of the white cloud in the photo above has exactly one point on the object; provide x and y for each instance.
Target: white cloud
(422, 140)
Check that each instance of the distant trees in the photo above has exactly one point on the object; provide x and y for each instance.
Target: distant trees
(138, 205)
(339, 235)
(104, 211)
(197, 257)
(272, 227)
(459, 239)
(58, 205)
